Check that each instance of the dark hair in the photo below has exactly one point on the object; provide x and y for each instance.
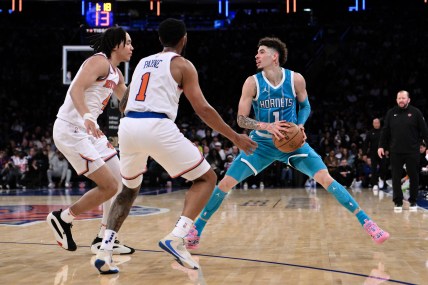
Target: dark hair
(108, 40)
(277, 45)
(171, 31)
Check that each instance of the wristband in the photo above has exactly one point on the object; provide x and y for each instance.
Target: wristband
(88, 116)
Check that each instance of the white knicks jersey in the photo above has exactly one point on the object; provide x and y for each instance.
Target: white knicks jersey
(97, 97)
(153, 89)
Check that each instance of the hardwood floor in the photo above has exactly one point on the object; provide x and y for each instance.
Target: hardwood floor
(275, 236)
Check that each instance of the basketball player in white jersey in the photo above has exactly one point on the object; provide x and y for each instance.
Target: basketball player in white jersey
(77, 135)
(148, 129)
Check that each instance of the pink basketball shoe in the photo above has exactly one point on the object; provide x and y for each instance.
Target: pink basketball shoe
(192, 239)
(378, 235)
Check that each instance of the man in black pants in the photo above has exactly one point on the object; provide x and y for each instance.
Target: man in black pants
(372, 144)
(404, 127)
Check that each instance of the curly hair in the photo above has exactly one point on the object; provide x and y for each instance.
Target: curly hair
(108, 40)
(277, 45)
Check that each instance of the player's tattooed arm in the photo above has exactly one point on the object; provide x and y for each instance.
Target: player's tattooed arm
(248, 123)
(122, 103)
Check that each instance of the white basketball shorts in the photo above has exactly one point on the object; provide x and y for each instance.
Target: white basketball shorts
(161, 139)
(83, 151)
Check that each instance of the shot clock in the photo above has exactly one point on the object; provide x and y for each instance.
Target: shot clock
(99, 14)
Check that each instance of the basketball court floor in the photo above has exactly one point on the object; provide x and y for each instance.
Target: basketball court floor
(274, 236)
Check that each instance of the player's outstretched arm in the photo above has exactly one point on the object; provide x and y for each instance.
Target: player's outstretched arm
(205, 111)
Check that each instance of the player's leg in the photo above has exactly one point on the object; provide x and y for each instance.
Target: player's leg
(82, 155)
(133, 162)
(60, 221)
(242, 167)
(118, 248)
(313, 166)
(179, 157)
(119, 211)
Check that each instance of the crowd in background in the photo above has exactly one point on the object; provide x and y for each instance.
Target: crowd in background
(354, 65)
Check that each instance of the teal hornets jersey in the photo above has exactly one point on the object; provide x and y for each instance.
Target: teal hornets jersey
(275, 103)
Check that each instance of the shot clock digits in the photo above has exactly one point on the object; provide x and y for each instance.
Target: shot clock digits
(99, 14)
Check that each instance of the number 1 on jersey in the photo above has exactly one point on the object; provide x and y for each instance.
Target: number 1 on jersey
(276, 116)
(141, 96)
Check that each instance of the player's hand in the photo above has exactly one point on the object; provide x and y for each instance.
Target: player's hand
(276, 128)
(380, 152)
(93, 129)
(246, 144)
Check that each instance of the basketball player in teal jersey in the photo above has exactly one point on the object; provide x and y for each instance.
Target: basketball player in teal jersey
(274, 94)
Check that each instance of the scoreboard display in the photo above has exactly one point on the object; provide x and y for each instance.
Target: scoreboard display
(99, 14)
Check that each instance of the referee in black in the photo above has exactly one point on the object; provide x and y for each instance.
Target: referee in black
(404, 127)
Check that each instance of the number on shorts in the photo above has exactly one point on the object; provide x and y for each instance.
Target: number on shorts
(141, 96)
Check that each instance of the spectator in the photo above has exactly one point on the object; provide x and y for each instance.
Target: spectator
(220, 150)
(371, 146)
(215, 161)
(331, 161)
(20, 161)
(10, 176)
(423, 167)
(344, 174)
(38, 164)
(58, 168)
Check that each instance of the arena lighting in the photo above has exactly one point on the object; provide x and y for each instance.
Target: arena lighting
(219, 6)
(19, 6)
(83, 7)
(287, 3)
(157, 6)
(226, 9)
(356, 8)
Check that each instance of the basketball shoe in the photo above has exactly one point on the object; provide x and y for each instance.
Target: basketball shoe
(398, 208)
(61, 230)
(378, 235)
(413, 207)
(118, 248)
(176, 247)
(104, 262)
(192, 239)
